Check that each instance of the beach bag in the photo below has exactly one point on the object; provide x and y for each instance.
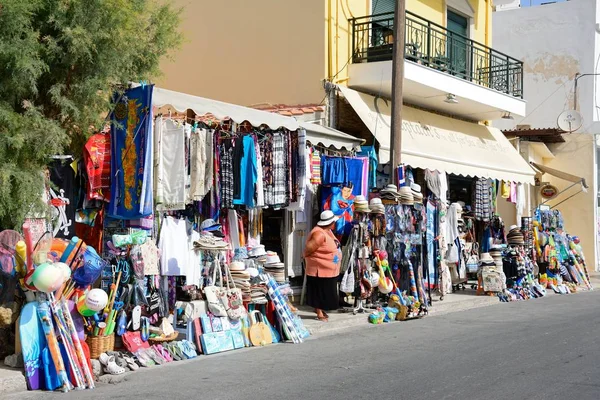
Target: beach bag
(232, 301)
(492, 281)
(473, 260)
(347, 285)
(216, 296)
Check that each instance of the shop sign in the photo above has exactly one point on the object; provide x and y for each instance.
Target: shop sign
(548, 191)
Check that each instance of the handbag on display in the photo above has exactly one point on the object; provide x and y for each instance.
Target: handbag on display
(216, 296)
(233, 303)
(473, 260)
(492, 280)
(347, 285)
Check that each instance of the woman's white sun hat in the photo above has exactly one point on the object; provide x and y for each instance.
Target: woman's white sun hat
(327, 218)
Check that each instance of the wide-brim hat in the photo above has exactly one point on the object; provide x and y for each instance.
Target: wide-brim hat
(274, 266)
(362, 206)
(415, 187)
(272, 258)
(257, 251)
(486, 258)
(209, 225)
(327, 218)
(378, 209)
(375, 201)
(390, 189)
(237, 266)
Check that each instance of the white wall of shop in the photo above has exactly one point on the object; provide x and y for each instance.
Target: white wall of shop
(556, 41)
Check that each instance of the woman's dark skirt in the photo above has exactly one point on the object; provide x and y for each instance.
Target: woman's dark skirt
(322, 293)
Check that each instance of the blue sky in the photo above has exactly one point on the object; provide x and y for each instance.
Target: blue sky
(527, 3)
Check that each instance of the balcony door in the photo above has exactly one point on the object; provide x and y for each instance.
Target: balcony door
(457, 45)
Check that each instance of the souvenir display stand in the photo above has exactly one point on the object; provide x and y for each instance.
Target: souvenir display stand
(167, 262)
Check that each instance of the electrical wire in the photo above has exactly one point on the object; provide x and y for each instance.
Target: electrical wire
(331, 79)
(544, 101)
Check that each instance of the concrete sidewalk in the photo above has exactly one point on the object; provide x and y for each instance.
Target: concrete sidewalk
(340, 321)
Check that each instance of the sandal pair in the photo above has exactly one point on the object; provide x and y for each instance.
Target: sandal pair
(182, 350)
(174, 351)
(109, 365)
(144, 359)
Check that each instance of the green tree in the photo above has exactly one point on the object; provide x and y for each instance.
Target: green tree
(60, 60)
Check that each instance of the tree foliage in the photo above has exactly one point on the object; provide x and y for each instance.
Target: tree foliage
(59, 62)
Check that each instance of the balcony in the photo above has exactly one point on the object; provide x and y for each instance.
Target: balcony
(438, 62)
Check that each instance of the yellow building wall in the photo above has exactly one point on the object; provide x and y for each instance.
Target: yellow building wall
(276, 51)
(576, 157)
(433, 10)
(250, 52)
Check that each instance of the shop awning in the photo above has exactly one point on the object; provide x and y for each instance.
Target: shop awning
(560, 174)
(328, 137)
(201, 106)
(435, 142)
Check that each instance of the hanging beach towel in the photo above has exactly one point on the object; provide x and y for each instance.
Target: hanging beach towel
(131, 137)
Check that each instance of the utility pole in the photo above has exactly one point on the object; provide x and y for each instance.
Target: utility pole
(397, 83)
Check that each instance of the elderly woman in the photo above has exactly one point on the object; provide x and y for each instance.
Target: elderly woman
(322, 257)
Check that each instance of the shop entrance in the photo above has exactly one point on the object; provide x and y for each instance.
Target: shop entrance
(272, 235)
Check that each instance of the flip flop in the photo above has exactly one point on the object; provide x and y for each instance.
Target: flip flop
(164, 353)
(131, 363)
(157, 358)
(145, 331)
(186, 349)
(136, 317)
(144, 359)
(175, 352)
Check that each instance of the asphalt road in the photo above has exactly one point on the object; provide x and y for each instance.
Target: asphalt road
(538, 349)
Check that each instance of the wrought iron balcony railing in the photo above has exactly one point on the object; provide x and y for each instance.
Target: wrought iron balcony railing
(430, 44)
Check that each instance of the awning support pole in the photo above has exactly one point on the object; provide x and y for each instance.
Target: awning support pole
(557, 204)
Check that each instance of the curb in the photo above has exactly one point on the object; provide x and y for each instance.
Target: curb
(14, 381)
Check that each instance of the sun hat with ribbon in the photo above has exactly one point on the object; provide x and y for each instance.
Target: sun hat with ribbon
(327, 218)
(361, 204)
(486, 260)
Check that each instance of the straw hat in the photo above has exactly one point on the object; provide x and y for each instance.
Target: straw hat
(406, 196)
(237, 266)
(391, 188)
(486, 260)
(327, 218)
(257, 251)
(376, 206)
(272, 258)
(361, 204)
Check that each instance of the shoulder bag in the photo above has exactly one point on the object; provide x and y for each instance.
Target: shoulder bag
(473, 260)
(215, 294)
(232, 301)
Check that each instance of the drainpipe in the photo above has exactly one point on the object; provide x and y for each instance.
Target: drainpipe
(329, 50)
(487, 22)
(331, 104)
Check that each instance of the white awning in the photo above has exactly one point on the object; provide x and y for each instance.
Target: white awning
(435, 142)
(562, 175)
(328, 137)
(201, 106)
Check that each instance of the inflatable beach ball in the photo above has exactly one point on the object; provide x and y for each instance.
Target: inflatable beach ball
(47, 278)
(96, 300)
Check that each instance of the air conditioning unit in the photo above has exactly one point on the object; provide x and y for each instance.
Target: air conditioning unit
(503, 5)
